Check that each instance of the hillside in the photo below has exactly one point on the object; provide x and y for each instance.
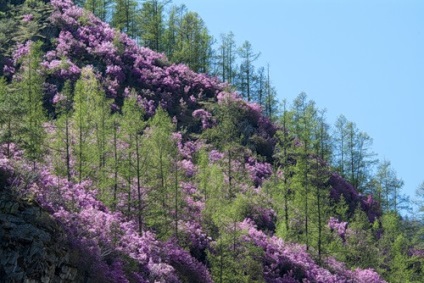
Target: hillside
(157, 173)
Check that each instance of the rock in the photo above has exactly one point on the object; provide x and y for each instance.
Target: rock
(33, 247)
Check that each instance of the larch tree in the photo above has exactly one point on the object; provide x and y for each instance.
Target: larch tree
(124, 17)
(340, 144)
(319, 181)
(171, 31)
(133, 167)
(11, 110)
(284, 158)
(30, 87)
(86, 89)
(260, 87)
(226, 58)
(247, 69)
(387, 186)
(193, 45)
(160, 153)
(271, 102)
(152, 24)
(304, 117)
(63, 137)
(100, 8)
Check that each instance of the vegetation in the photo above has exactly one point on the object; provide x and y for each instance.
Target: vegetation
(162, 173)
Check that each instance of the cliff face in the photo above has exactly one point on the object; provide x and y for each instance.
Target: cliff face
(32, 245)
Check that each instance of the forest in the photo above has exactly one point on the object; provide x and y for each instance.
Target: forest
(166, 156)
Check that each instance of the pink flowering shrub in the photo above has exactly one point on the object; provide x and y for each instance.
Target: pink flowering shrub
(283, 262)
(204, 116)
(339, 227)
(340, 187)
(215, 155)
(99, 233)
(259, 171)
(21, 50)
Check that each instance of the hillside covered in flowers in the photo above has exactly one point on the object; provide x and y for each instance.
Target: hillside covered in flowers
(158, 173)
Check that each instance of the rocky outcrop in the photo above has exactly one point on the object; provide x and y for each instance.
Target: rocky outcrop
(33, 247)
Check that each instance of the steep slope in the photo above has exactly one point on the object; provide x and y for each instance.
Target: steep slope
(33, 246)
(109, 238)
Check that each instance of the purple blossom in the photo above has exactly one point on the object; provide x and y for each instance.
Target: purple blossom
(215, 155)
(188, 167)
(340, 227)
(258, 171)
(22, 49)
(204, 116)
(27, 18)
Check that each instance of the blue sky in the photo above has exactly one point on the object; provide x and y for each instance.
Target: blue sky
(363, 59)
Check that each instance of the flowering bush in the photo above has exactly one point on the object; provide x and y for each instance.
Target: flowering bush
(340, 227)
(284, 262)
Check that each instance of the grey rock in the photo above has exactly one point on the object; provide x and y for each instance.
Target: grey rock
(33, 247)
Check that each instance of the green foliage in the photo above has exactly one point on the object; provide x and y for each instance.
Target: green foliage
(193, 43)
(133, 165)
(161, 156)
(91, 126)
(152, 24)
(360, 248)
(11, 110)
(29, 86)
(61, 137)
(124, 17)
(100, 8)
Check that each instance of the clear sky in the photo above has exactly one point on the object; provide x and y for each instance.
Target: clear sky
(360, 58)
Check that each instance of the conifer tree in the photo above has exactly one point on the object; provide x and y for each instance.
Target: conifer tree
(304, 115)
(226, 58)
(160, 151)
(100, 8)
(246, 74)
(152, 24)
(284, 157)
(124, 17)
(171, 31)
(83, 121)
(30, 86)
(134, 166)
(63, 137)
(387, 186)
(271, 103)
(11, 110)
(193, 45)
(319, 181)
(340, 144)
(361, 250)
